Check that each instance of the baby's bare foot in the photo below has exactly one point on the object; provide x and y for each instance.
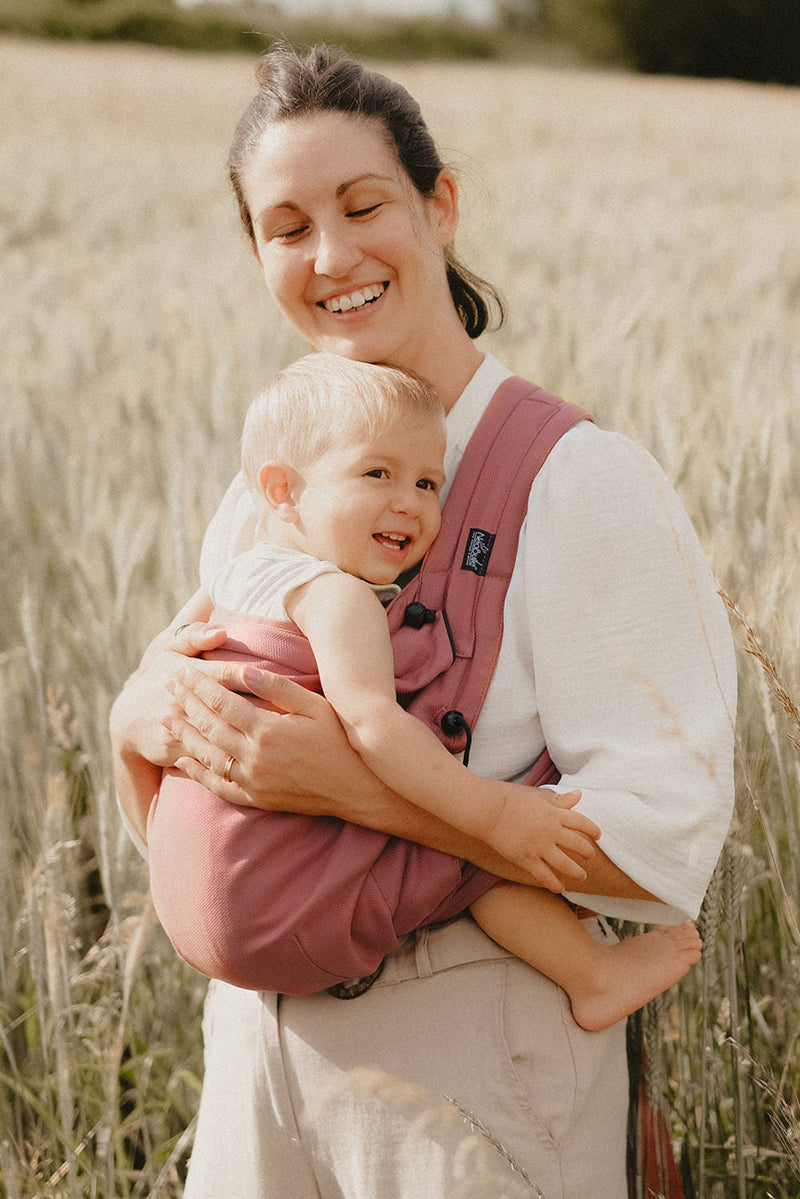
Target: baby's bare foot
(633, 972)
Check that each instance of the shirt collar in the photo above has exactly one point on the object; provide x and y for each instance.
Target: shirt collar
(463, 417)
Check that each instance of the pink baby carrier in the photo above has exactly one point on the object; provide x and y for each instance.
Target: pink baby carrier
(277, 901)
(292, 903)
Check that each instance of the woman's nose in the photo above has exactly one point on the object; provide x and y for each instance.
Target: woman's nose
(336, 254)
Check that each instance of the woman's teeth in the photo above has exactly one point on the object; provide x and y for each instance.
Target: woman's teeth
(356, 299)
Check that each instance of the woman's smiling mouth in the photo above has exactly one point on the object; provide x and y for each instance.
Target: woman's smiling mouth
(355, 299)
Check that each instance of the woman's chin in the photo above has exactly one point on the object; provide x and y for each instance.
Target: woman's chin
(355, 340)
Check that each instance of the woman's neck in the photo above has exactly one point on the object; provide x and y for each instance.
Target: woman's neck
(449, 364)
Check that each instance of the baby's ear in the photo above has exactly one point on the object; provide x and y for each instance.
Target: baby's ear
(281, 485)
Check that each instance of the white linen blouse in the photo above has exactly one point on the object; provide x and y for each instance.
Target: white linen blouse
(616, 655)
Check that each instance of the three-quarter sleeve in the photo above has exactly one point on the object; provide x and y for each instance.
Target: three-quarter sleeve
(634, 665)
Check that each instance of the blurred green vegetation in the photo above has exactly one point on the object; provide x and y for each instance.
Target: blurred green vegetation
(251, 25)
(741, 39)
(756, 40)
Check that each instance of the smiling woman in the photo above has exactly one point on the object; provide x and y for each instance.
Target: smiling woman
(375, 213)
(351, 215)
(328, 231)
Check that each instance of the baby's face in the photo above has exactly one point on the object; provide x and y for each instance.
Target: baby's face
(371, 504)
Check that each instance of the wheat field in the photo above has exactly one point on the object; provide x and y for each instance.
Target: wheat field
(645, 234)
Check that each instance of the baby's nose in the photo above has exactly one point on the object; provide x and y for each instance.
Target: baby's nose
(406, 500)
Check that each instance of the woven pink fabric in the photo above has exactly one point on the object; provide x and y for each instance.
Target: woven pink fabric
(280, 902)
(275, 901)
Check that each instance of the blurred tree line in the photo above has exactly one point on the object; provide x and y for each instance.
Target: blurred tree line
(744, 39)
(244, 25)
(757, 40)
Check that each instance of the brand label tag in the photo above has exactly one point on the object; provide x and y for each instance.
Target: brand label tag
(478, 551)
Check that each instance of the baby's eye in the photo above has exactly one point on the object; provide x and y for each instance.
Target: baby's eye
(427, 485)
(377, 473)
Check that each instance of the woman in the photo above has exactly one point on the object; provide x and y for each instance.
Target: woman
(615, 654)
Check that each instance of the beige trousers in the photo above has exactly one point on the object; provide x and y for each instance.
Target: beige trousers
(312, 1097)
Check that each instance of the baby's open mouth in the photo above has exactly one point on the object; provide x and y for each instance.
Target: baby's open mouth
(395, 541)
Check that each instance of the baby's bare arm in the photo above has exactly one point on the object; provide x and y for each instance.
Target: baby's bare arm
(347, 629)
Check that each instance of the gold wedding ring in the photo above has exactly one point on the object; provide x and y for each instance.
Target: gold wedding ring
(226, 774)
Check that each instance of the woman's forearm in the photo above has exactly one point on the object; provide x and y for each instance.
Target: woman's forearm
(376, 807)
(135, 778)
(137, 782)
(604, 878)
(273, 768)
(373, 805)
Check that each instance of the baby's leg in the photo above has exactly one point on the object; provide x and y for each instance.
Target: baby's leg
(605, 983)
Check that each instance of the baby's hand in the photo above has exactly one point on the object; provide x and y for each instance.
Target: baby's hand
(540, 831)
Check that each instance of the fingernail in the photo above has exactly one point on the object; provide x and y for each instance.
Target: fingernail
(252, 676)
(207, 634)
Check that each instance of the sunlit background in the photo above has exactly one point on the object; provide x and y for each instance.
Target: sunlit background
(630, 175)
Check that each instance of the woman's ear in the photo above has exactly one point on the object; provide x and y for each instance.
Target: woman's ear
(445, 206)
(281, 486)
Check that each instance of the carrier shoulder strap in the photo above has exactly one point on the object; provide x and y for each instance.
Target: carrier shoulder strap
(447, 623)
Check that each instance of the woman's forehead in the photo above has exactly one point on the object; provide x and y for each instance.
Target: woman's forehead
(327, 146)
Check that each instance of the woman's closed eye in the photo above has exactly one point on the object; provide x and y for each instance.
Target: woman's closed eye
(360, 212)
(286, 235)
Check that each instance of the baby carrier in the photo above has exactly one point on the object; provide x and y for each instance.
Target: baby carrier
(446, 626)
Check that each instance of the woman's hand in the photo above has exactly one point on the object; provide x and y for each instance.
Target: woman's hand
(138, 712)
(285, 750)
(142, 746)
(279, 747)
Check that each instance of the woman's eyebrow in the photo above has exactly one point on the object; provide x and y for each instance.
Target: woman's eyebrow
(274, 209)
(348, 183)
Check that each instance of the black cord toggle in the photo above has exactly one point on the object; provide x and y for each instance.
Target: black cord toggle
(453, 723)
(418, 615)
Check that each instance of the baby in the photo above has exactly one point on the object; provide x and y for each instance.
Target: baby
(345, 463)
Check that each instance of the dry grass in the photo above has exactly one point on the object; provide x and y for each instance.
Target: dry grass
(645, 235)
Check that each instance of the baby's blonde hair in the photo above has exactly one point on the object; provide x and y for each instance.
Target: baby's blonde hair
(307, 406)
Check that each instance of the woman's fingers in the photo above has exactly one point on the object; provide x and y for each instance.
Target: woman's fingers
(195, 638)
(282, 694)
(199, 722)
(277, 734)
(222, 783)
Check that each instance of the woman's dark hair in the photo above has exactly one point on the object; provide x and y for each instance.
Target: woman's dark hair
(328, 80)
